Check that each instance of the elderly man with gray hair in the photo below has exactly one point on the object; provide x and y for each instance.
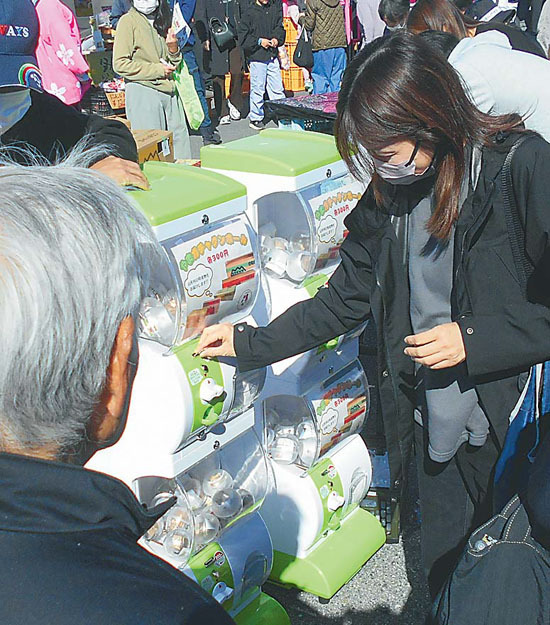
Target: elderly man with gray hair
(73, 269)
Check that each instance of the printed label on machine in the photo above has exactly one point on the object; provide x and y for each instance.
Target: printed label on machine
(340, 405)
(218, 273)
(330, 208)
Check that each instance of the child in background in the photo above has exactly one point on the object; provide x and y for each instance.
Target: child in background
(261, 32)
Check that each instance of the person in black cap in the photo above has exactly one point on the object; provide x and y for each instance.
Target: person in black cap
(32, 117)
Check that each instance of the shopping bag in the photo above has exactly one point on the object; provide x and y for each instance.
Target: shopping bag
(303, 54)
(523, 435)
(185, 87)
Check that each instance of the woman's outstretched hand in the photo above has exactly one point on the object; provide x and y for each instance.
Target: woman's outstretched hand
(216, 341)
(439, 348)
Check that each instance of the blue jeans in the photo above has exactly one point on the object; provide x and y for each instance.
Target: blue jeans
(192, 65)
(328, 68)
(264, 75)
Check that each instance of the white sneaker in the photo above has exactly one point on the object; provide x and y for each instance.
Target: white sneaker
(226, 119)
(234, 112)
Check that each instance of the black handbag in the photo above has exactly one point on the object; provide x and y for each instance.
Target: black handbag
(502, 578)
(222, 33)
(303, 55)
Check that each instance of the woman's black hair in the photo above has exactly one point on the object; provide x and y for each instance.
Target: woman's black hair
(399, 88)
(440, 41)
(163, 18)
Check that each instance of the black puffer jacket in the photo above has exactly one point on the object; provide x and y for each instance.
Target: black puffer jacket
(261, 21)
(325, 20)
(504, 334)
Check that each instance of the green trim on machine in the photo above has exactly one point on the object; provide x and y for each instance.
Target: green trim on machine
(313, 284)
(326, 480)
(181, 190)
(273, 152)
(262, 611)
(335, 560)
(210, 567)
(203, 415)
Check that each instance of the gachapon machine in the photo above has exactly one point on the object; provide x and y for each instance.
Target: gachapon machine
(299, 194)
(214, 533)
(189, 435)
(322, 471)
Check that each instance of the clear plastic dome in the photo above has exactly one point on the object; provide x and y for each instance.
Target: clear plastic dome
(205, 275)
(172, 536)
(301, 231)
(299, 430)
(247, 388)
(222, 487)
(290, 433)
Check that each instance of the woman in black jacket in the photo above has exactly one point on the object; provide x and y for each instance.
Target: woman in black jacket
(219, 62)
(428, 254)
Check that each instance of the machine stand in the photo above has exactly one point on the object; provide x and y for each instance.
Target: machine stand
(335, 561)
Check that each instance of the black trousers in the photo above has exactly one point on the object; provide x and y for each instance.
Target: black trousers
(455, 498)
(236, 88)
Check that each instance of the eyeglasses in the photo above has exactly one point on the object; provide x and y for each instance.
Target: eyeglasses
(414, 152)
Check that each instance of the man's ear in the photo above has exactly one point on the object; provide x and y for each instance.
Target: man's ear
(120, 376)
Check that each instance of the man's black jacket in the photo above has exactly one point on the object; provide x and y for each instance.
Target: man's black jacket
(69, 554)
(53, 129)
(259, 21)
(504, 334)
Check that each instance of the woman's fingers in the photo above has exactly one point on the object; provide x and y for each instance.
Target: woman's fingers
(215, 341)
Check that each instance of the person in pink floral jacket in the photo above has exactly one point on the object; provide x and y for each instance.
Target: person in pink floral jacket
(64, 69)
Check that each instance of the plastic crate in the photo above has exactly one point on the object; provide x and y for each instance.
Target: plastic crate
(245, 87)
(95, 101)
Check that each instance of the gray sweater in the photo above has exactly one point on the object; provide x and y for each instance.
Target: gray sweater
(448, 399)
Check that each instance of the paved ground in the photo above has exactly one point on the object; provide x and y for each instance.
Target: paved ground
(390, 589)
(234, 130)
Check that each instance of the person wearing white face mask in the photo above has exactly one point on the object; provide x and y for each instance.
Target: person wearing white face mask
(431, 257)
(31, 117)
(146, 54)
(394, 14)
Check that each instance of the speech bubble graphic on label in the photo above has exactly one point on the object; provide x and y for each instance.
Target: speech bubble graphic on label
(327, 229)
(328, 421)
(198, 281)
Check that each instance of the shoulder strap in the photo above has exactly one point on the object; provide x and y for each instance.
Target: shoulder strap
(514, 225)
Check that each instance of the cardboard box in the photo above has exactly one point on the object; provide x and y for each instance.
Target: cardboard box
(123, 120)
(154, 145)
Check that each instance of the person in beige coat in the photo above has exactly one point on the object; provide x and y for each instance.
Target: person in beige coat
(325, 20)
(146, 54)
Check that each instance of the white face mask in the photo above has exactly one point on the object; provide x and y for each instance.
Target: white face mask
(146, 6)
(13, 106)
(402, 173)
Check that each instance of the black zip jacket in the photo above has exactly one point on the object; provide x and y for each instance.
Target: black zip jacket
(53, 129)
(503, 332)
(261, 22)
(68, 538)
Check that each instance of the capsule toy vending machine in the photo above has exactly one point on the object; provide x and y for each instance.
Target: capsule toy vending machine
(313, 405)
(189, 438)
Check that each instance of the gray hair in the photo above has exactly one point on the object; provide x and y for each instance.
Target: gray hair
(74, 262)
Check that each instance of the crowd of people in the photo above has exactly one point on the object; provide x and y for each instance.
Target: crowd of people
(447, 114)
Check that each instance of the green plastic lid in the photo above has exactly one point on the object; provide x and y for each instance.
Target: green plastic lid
(181, 190)
(273, 151)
